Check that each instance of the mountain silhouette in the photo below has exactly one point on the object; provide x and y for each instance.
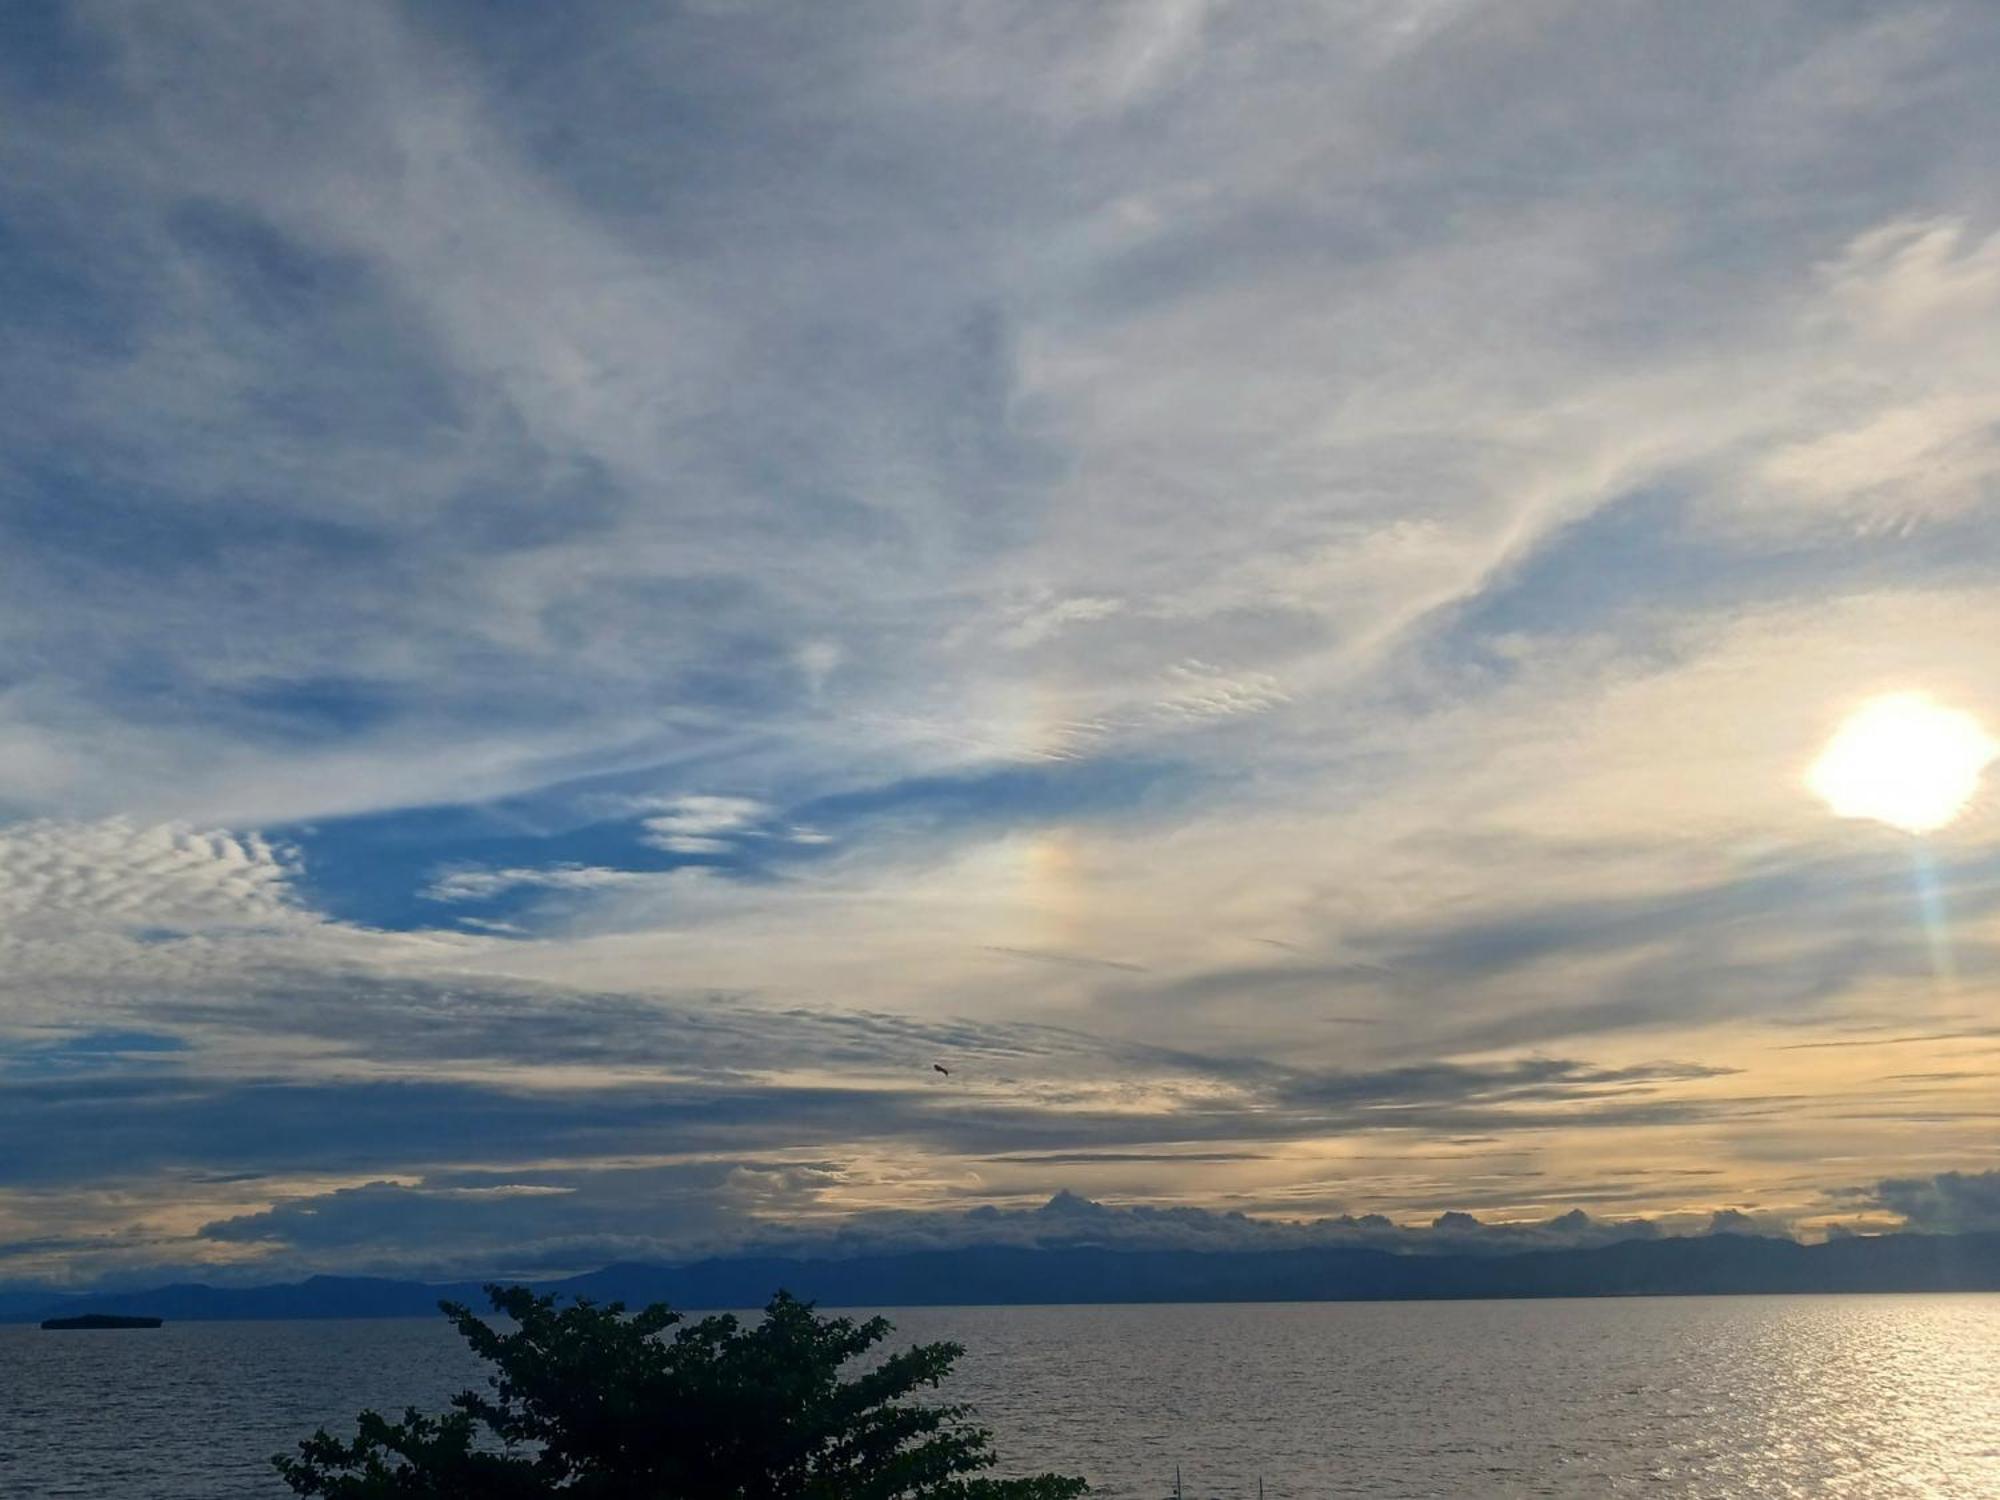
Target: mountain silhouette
(1004, 1275)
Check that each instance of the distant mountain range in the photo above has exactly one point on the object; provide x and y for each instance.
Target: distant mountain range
(1714, 1264)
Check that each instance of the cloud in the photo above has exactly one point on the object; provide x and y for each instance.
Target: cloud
(1068, 1220)
(482, 885)
(87, 907)
(1945, 1203)
(355, 1077)
(1046, 621)
(703, 824)
(562, 1222)
(117, 874)
(1912, 277)
(1199, 690)
(1734, 1221)
(513, 525)
(1287, 559)
(549, 1223)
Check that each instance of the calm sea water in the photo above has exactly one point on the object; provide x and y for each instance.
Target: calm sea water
(1781, 1396)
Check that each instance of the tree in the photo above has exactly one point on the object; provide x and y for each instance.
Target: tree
(593, 1405)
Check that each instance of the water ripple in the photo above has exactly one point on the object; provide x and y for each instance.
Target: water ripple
(1875, 1397)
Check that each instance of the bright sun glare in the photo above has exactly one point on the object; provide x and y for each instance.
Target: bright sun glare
(1905, 761)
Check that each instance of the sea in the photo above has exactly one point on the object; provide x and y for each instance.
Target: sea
(1859, 1396)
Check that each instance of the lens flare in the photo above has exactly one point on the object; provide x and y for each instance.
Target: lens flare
(1903, 760)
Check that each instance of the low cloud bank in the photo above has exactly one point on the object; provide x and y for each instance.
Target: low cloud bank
(463, 1228)
(1068, 1220)
(1945, 1203)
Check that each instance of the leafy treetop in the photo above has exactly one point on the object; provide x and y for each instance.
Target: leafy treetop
(590, 1404)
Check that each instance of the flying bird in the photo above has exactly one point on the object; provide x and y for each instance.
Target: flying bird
(941, 1068)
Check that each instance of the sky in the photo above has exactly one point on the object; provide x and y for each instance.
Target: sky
(589, 592)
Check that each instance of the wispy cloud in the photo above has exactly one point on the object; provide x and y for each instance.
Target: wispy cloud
(1168, 528)
(703, 824)
(481, 885)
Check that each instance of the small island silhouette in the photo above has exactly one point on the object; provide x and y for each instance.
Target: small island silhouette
(101, 1320)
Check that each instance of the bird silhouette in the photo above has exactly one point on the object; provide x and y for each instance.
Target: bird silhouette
(941, 1068)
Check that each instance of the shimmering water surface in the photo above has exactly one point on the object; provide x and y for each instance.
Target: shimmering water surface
(1779, 1396)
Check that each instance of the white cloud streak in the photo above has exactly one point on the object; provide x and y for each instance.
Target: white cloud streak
(1341, 524)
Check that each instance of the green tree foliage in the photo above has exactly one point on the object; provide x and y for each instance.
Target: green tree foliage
(593, 1405)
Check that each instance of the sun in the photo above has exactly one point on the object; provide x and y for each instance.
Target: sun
(1903, 760)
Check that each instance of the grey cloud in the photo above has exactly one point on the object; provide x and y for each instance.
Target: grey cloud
(860, 328)
(1533, 1079)
(1025, 1090)
(474, 1018)
(531, 1221)
(1849, 889)
(844, 399)
(1686, 955)
(141, 1138)
(543, 1221)
(1946, 1203)
(1751, 1222)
